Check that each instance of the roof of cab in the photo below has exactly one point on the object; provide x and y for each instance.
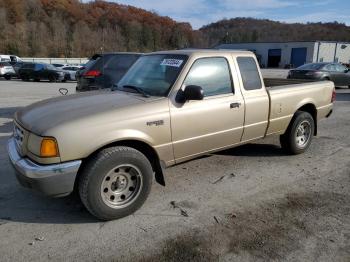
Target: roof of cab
(203, 51)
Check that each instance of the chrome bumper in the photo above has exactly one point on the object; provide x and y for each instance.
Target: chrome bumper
(53, 180)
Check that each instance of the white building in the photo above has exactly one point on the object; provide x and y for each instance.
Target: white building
(284, 54)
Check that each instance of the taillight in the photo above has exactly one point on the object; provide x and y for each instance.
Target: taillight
(92, 73)
(334, 94)
(1, 66)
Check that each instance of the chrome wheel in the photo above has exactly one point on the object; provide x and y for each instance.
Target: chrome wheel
(303, 134)
(121, 186)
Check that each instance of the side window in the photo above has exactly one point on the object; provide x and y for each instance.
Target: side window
(331, 68)
(327, 68)
(212, 74)
(249, 72)
(39, 67)
(340, 68)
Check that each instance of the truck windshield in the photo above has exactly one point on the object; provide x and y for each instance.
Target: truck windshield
(153, 74)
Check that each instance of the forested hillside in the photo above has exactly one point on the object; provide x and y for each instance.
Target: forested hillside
(59, 28)
(70, 28)
(258, 30)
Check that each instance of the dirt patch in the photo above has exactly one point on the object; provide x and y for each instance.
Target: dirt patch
(270, 231)
(183, 248)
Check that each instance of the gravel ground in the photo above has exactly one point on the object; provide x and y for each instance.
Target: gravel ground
(251, 203)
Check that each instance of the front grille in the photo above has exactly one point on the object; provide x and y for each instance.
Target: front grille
(18, 135)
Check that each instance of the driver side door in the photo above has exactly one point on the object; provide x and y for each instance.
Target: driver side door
(212, 123)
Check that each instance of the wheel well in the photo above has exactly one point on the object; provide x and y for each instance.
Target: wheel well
(145, 149)
(311, 109)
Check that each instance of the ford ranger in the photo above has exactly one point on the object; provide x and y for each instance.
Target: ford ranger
(170, 107)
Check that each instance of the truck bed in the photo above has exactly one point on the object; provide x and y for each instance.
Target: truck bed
(287, 97)
(272, 82)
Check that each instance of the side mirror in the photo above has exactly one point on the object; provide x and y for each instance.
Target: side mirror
(193, 92)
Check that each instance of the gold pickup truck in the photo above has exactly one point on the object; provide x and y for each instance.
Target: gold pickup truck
(169, 107)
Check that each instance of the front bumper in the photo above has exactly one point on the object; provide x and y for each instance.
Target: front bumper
(60, 77)
(8, 73)
(53, 180)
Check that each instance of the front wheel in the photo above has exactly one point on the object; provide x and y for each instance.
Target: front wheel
(7, 77)
(116, 182)
(298, 136)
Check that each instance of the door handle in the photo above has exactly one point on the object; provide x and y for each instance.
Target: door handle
(235, 105)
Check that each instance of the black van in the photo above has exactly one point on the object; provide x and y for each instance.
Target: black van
(104, 70)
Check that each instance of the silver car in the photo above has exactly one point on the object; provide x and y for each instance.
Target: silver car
(70, 72)
(6, 70)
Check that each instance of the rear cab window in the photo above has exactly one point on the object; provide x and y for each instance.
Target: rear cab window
(249, 73)
(212, 74)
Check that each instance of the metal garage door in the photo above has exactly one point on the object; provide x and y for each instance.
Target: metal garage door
(298, 57)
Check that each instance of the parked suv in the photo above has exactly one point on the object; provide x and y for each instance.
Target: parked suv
(16, 66)
(6, 70)
(40, 71)
(103, 70)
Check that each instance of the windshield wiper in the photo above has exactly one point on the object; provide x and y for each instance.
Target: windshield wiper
(137, 89)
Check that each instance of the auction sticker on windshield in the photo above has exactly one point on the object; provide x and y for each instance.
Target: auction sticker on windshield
(172, 62)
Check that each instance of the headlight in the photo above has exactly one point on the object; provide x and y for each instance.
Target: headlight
(49, 147)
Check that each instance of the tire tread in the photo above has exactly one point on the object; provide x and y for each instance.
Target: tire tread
(93, 163)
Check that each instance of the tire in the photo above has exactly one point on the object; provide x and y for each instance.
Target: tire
(36, 79)
(7, 77)
(24, 77)
(298, 137)
(52, 78)
(115, 182)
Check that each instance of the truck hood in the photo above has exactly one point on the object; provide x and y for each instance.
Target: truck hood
(44, 115)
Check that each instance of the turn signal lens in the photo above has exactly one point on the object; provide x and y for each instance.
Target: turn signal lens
(49, 148)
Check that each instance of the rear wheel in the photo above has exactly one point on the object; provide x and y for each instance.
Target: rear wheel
(52, 78)
(298, 136)
(116, 182)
